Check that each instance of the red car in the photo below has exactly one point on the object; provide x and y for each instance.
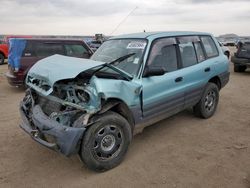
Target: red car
(3, 51)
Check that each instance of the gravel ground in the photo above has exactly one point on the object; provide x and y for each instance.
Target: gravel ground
(182, 151)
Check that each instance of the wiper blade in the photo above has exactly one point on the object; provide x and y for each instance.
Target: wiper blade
(120, 59)
(126, 75)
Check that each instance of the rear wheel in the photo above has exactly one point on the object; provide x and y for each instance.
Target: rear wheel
(239, 68)
(206, 107)
(1, 59)
(106, 142)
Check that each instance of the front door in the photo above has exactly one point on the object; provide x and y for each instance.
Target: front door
(164, 94)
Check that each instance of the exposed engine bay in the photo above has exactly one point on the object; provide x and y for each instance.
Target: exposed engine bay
(69, 100)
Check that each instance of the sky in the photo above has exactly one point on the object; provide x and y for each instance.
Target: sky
(114, 17)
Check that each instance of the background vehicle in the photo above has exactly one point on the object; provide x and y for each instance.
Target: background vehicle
(3, 51)
(241, 58)
(24, 53)
(130, 82)
(225, 50)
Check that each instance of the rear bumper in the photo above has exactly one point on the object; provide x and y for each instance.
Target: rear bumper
(40, 127)
(240, 61)
(14, 80)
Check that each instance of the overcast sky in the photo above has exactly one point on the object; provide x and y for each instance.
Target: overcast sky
(87, 17)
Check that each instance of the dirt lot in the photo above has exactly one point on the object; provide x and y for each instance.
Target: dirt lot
(182, 151)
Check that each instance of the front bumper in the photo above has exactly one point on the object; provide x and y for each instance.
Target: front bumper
(40, 127)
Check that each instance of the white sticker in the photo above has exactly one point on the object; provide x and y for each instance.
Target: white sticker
(136, 61)
(136, 45)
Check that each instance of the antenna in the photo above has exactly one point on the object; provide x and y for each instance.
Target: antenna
(123, 20)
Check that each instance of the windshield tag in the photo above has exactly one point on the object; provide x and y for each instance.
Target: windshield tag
(136, 45)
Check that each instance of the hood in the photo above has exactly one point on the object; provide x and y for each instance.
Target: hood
(57, 67)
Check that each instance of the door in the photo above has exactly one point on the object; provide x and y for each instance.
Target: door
(164, 94)
(196, 68)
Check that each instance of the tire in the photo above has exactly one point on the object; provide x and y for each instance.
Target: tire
(106, 142)
(1, 59)
(206, 107)
(239, 68)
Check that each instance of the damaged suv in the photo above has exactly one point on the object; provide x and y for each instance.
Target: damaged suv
(94, 106)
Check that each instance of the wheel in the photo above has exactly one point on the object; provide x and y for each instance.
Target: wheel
(206, 107)
(1, 59)
(239, 68)
(106, 142)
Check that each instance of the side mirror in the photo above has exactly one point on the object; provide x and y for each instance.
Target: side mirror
(153, 71)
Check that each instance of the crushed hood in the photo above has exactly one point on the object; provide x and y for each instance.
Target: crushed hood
(57, 67)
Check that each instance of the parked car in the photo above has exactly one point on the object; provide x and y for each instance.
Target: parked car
(94, 44)
(241, 58)
(225, 50)
(93, 106)
(24, 53)
(3, 51)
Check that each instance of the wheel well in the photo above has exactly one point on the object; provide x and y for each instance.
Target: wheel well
(216, 80)
(118, 106)
(2, 54)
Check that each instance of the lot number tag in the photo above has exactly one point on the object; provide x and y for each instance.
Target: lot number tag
(136, 45)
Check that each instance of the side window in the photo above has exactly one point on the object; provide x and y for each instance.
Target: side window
(209, 45)
(163, 54)
(48, 49)
(188, 55)
(199, 52)
(29, 49)
(75, 50)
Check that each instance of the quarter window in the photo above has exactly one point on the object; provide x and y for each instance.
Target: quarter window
(209, 45)
(163, 54)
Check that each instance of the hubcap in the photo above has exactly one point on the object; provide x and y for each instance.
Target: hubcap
(108, 142)
(210, 100)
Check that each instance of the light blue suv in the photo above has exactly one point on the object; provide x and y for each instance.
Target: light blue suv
(93, 106)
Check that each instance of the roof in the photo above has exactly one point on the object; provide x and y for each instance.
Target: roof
(47, 39)
(145, 35)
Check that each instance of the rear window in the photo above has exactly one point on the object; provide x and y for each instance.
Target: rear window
(48, 49)
(210, 47)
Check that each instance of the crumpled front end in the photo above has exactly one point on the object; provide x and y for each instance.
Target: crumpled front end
(58, 120)
(47, 130)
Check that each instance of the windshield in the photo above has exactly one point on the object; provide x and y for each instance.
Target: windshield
(113, 49)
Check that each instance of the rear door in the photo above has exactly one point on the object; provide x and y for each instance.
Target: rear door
(163, 95)
(196, 66)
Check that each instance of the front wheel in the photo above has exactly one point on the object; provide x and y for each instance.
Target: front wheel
(106, 142)
(206, 107)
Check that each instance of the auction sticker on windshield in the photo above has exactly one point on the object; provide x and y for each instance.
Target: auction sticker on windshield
(136, 45)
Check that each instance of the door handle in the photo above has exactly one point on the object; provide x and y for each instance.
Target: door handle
(179, 79)
(207, 69)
